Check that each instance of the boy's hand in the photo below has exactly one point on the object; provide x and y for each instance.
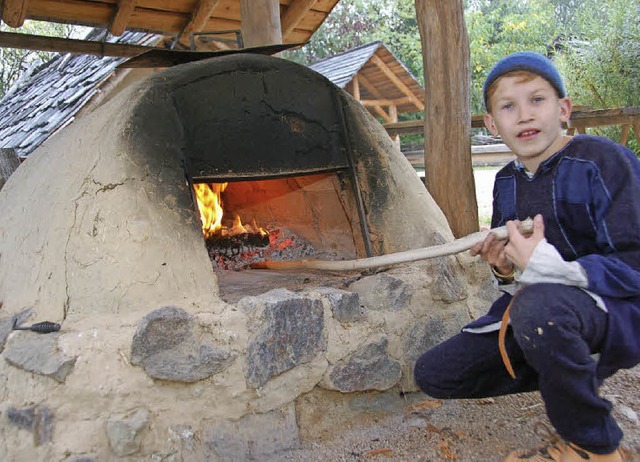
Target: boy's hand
(519, 248)
(492, 251)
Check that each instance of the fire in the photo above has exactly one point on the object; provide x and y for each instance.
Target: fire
(209, 199)
(210, 206)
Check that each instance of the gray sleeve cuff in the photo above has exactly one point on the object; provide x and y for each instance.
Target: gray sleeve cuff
(547, 265)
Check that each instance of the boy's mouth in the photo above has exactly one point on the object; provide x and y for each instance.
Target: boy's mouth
(528, 133)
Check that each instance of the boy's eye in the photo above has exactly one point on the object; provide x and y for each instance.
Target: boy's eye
(537, 99)
(507, 106)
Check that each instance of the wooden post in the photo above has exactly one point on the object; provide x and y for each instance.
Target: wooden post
(9, 162)
(447, 115)
(393, 115)
(260, 22)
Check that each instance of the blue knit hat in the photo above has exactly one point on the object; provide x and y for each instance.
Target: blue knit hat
(525, 61)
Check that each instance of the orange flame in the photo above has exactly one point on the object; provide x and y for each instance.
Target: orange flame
(209, 198)
(210, 206)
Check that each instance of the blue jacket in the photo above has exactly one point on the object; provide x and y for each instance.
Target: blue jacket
(589, 196)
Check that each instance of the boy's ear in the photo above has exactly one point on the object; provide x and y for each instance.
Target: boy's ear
(490, 124)
(565, 109)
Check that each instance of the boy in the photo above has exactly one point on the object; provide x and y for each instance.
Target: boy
(577, 276)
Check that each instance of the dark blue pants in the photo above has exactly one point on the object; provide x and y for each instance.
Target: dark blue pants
(553, 333)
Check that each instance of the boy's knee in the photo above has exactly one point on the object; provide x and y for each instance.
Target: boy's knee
(535, 304)
(427, 376)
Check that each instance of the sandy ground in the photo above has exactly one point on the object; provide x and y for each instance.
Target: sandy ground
(424, 429)
(428, 430)
(484, 177)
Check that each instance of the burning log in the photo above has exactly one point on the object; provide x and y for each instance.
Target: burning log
(450, 248)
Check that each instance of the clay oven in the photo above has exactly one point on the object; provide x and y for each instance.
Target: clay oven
(100, 233)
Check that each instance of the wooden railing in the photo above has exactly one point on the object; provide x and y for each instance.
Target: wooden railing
(581, 119)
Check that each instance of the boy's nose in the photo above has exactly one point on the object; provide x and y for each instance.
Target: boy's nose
(525, 113)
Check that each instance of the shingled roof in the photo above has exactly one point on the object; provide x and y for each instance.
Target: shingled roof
(375, 77)
(52, 95)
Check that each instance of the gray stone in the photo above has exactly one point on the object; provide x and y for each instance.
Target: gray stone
(345, 306)
(39, 353)
(161, 329)
(254, 437)
(286, 330)
(36, 419)
(82, 459)
(383, 292)
(447, 285)
(124, 432)
(7, 324)
(426, 334)
(177, 355)
(369, 368)
(189, 363)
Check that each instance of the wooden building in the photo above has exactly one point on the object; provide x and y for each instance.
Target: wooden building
(294, 20)
(376, 78)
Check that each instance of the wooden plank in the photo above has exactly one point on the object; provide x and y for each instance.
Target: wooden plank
(260, 22)
(293, 14)
(72, 11)
(324, 6)
(62, 45)
(158, 57)
(385, 102)
(371, 89)
(100, 14)
(624, 136)
(491, 154)
(580, 119)
(394, 78)
(199, 18)
(356, 87)
(121, 18)
(14, 12)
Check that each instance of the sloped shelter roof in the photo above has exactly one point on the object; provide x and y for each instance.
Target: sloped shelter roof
(375, 77)
(299, 18)
(53, 94)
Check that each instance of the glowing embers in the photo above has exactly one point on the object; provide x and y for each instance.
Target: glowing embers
(234, 245)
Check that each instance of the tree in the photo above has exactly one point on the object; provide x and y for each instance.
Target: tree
(351, 24)
(447, 127)
(15, 62)
(600, 61)
(500, 27)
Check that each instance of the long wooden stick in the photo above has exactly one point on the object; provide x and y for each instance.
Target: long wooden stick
(449, 248)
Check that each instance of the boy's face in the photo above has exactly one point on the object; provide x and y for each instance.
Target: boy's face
(527, 114)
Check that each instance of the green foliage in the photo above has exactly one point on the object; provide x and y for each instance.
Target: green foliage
(15, 61)
(350, 25)
(600, 61)
(497, 28)
(354, 23)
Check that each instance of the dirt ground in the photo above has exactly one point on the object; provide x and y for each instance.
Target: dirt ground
(465, 430)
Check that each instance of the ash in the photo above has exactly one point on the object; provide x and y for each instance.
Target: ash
(238, 252)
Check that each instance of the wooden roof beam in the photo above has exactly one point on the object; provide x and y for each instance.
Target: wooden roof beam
(121, 18)
(398, 83)
(62, 45)
(374, 91)
(198, 19)
(386, 102)
(293, 15)
(14, 12)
